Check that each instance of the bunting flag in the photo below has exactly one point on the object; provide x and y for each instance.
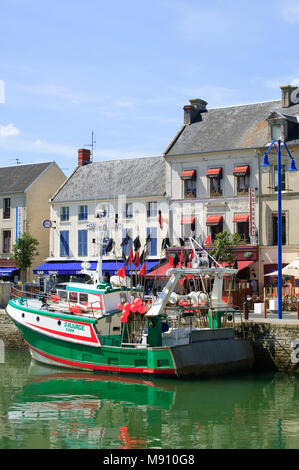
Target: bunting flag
(191, 255)
(160, 219)
(125, 260)
(143, 256)
(125, 240)
(137, 243)
(186, 257)
(142, 271)
(109, 246)
(131, 257)
(136, 260)
(208, 240)
(181, 257)
(121, 272)
(170, 261)
(165, 243)
(176, 260)
(182, 243)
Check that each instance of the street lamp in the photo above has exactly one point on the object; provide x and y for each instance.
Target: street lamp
(265, 163)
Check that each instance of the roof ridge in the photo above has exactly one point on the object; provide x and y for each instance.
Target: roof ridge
(245, 104)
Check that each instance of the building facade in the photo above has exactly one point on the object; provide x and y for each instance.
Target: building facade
(129, 193)
(215, 180)
(24, 204)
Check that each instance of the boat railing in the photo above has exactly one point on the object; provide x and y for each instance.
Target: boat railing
(22, 295)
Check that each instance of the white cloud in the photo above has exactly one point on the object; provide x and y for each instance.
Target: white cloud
(9, 130)
(290, 11)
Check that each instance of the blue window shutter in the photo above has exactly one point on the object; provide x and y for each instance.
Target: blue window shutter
(82, 242)
(64, 243)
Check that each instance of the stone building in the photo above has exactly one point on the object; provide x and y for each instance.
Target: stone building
(24, 204)
(130, 192)
(214, 179)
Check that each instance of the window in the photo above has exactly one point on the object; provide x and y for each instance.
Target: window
(128, 210)
(243, 179)
(64, 214)
(6, 208)
(243, 231)
(242, 226)
(128, 246)
(283, 178)
(82, 243)
(6, 241)
(64, 243)
(189, 179)
(83, 213)
(215, 181)
(152, 245)
(275, 229)
(152, 209)
(276, 131)
(215, 222)
(188, 227)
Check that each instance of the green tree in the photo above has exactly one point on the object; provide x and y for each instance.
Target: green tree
(225, 243)
(24, 252)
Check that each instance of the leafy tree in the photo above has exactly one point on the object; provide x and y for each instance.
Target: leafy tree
(225, 243)
(24, 251)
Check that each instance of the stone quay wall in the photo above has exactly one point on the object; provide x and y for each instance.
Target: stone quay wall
(271, 342)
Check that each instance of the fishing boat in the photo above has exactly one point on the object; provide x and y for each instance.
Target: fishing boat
(114, 327)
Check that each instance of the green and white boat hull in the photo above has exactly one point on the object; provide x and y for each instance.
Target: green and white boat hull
(74, 342)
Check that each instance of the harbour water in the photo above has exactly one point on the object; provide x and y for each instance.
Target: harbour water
(50, 408)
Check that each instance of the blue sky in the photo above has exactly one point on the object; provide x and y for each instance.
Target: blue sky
(125, 69)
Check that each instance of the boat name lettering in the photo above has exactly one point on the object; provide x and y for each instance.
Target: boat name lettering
(73, 326)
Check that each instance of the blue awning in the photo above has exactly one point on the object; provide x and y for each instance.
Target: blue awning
(7, 271)
(74, 267)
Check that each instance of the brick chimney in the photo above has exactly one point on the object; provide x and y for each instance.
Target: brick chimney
(83, 157)
(192, 110)
(286, 95)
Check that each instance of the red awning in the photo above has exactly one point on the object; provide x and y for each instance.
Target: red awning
(214, 172)
(214, 220)
(187, 220)
(188, 174)
(159, 272)
(241, 170)
(241, 264)
(241, 218)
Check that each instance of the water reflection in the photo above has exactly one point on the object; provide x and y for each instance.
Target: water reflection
(44, 407)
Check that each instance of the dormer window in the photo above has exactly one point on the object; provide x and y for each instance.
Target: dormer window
(275, 131)
(189, 179)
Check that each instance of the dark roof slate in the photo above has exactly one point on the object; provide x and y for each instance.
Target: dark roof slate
(138, 177)
(234, 127)
(16, 179)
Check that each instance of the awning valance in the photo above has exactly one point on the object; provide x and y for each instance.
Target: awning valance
(188, 220)
(7, 271)
(241, 170)
(214, 219)
(213, 172)
(241, 218)
(188, 174)
(75, 267)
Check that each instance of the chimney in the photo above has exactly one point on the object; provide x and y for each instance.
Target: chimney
(286, 95)
(192, 110)
(83, 157)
